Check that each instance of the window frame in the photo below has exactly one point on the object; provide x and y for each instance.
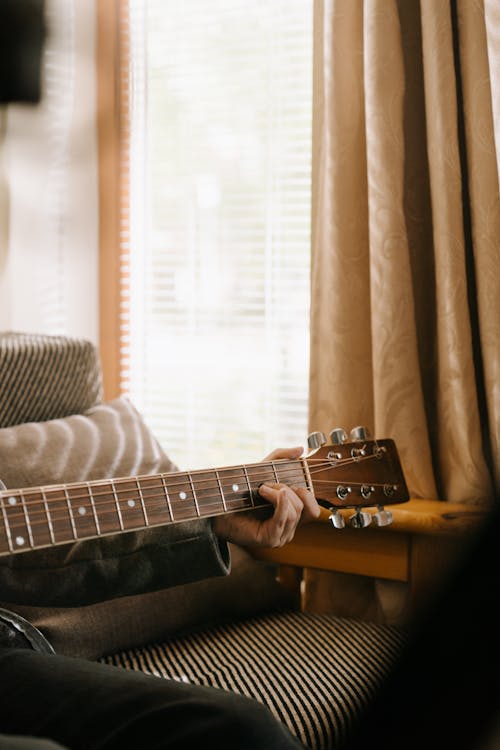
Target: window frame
(112, 123)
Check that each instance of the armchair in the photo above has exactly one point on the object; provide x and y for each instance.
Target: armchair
(244, 631)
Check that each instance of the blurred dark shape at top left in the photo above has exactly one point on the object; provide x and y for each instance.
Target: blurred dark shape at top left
(22, 36)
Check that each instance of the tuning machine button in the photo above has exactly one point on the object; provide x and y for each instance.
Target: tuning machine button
(358, 434)
(343, 491)
(382, 517)
(361, 519)
(316, 440)
(338, 436)
(336, 519)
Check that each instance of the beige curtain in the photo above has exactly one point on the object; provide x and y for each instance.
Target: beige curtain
(405, 314)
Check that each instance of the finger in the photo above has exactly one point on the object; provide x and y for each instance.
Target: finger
(280, 528)
(281, 494)
(290, 453)
(282, 525)
(302, 498)
(310, 507)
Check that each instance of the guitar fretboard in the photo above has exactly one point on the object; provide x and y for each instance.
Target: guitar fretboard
(39, 517)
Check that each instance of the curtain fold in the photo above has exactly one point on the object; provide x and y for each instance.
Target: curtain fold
(479, 35)
(405, 318)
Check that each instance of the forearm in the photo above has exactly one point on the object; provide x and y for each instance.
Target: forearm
(110, 567)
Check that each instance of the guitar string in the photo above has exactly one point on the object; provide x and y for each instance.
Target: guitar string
(95, 502)
(90, 519)
(175, 505)
(16, 515)
(88, 529)
(113, 484)
(18, 518)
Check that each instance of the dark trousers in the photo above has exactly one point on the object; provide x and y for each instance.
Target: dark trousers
(53, 702)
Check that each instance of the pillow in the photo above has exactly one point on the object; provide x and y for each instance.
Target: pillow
(112, 440)
(107, 440)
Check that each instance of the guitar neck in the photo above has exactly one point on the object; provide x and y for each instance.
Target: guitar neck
(39, 517)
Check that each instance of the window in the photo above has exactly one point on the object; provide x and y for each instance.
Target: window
(215, 251)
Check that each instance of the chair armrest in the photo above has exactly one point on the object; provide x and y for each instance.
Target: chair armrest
(436, 517)
(425, 536)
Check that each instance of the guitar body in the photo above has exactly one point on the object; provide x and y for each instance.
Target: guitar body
(16, 632)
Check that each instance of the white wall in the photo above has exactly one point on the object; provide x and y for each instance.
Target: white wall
(48, 188)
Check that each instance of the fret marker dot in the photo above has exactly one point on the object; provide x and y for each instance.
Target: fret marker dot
(236, 487)
(19, 541)
(82, 510)
(12, 500)
(182, 495)
(131, 503)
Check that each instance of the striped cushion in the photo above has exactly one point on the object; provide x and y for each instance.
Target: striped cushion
(110, 439)
(315, 672)
(46, 377)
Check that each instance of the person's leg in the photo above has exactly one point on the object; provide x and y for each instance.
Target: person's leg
(8, 742)
(98, 707)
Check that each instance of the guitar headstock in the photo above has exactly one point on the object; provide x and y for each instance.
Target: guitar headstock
(356, 472)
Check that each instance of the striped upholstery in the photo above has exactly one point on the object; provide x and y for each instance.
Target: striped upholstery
(46, 377)
(315, 672)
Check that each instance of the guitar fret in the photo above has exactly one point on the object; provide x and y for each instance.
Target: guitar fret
(7, 526)
(117, 505)
(221, 490)
(49, 520)
(70, 511)
(275, 472)
(194, 494)
(92, 503)
(169, 504)
(27, 521)
(250, 492)
(141, 497)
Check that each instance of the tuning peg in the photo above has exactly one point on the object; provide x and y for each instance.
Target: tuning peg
(338, 436)
(361, 519)
(316, 440)
(360, 433)
(337, 521)
(382, 517)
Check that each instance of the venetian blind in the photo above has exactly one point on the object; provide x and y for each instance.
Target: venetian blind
(216, 251)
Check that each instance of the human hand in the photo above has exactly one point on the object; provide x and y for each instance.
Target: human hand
(292, 505)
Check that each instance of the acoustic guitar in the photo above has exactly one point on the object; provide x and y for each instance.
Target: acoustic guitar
(346, 473)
